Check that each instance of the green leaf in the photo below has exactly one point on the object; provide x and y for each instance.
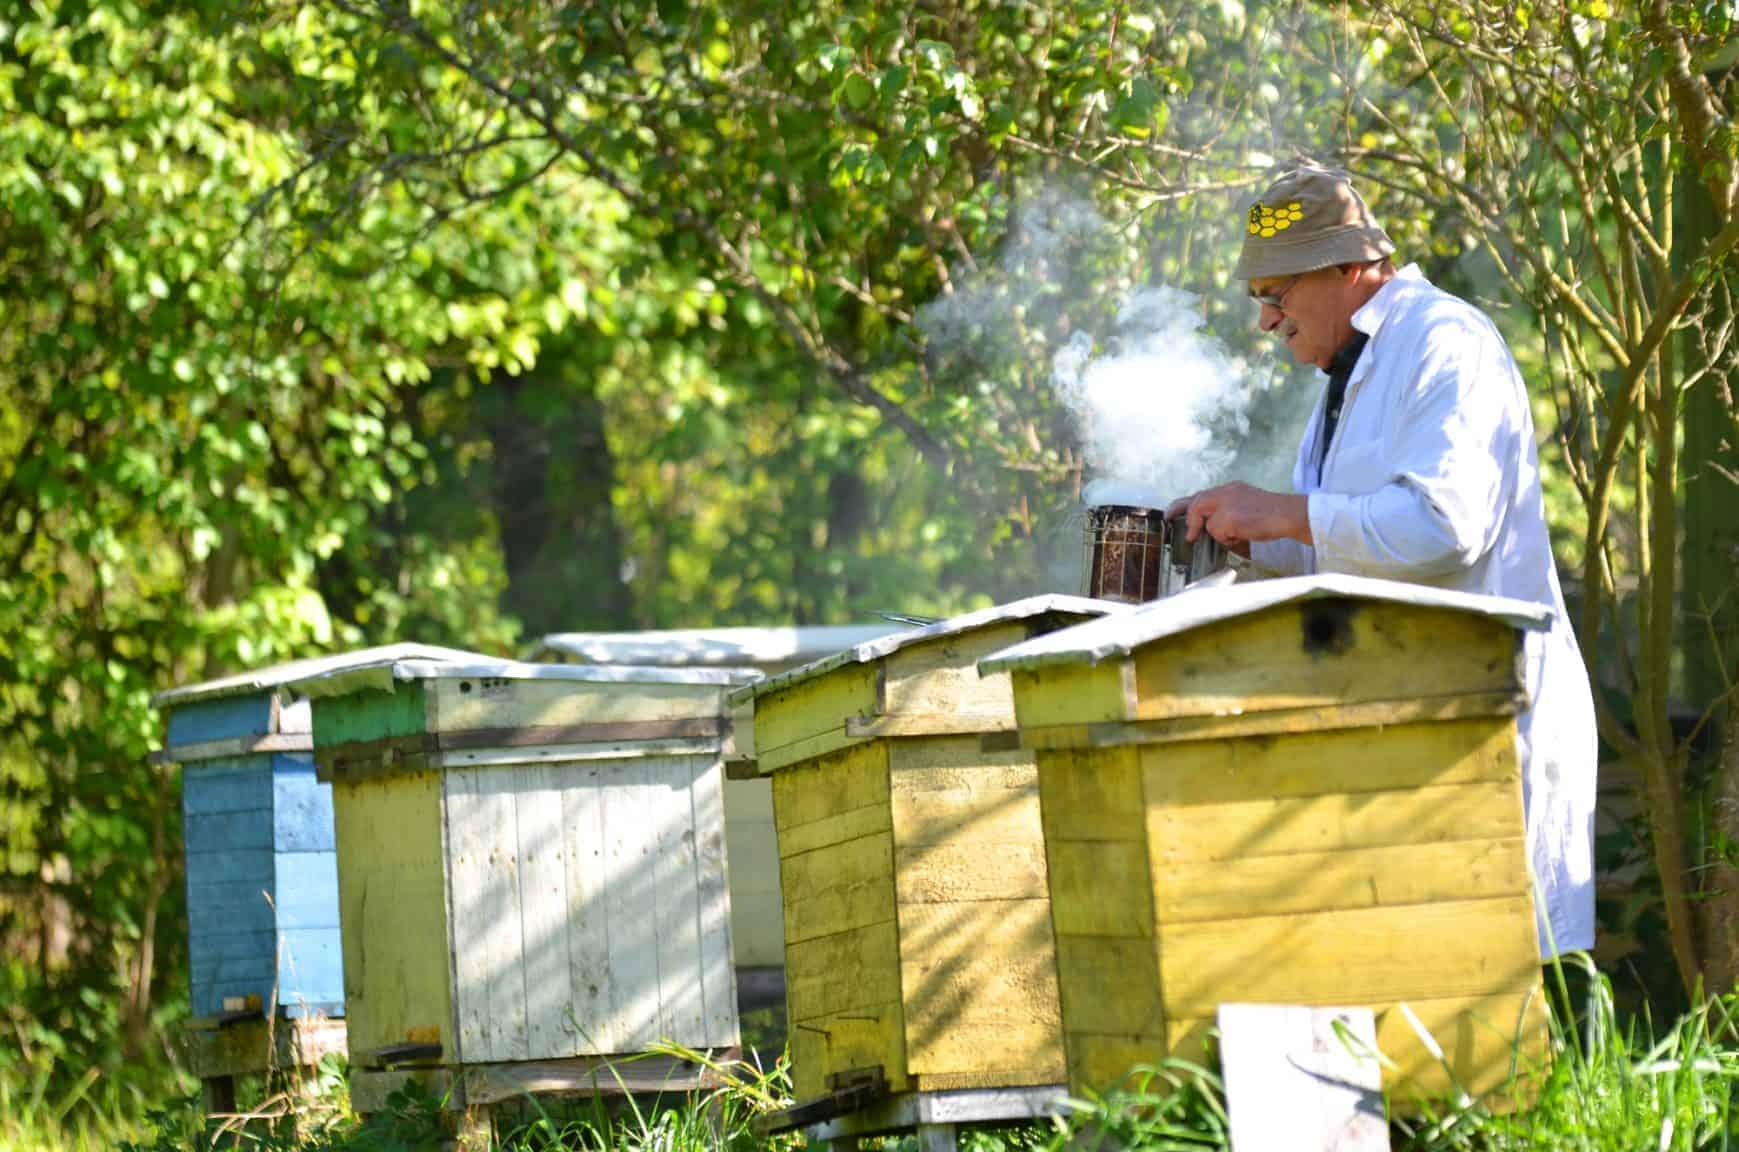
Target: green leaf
(833, 58)
(892, 83)
(858, 91)
(935, 55)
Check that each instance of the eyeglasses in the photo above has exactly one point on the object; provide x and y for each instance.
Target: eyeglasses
(1277, 299)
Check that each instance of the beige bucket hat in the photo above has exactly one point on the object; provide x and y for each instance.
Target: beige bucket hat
(1309, 218)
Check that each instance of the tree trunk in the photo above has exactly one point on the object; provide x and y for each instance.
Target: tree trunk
(1721, 880)
(1709, 603)
(552, 477)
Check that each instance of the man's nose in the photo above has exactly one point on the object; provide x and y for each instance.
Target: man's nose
(1269, 318)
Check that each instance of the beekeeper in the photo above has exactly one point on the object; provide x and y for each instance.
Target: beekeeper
(1419, 464)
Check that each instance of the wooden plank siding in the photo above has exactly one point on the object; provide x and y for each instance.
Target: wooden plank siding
(940, 677)
(912, 862)
(479, 703)
(310, 951)
(1322, 653)
(1101, 911)
(1365, 866)
(1370, 864)
(717, 956)
(587, 918)
(977, 961)
(262, 896)
(842, 962)
(393, 905)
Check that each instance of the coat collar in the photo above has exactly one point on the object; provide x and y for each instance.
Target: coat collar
(1369, 318)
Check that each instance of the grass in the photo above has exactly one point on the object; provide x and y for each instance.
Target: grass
(1610, 1088)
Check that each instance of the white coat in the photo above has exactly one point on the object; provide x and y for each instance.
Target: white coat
(1433, 477)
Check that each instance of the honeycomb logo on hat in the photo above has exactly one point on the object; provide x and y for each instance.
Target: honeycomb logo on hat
(1309, 218)
(1266, 221)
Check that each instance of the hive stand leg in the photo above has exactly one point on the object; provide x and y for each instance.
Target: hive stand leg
(938, 1138)
(306, 1101)
(472, 1129)
(218, 1095)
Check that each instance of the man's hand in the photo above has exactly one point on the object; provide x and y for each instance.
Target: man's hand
(1237, 513)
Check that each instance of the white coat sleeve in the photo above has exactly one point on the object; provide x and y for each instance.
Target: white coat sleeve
(1439, 511)
(1282, 557)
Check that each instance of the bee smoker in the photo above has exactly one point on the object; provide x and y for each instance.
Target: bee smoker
(1135, 554)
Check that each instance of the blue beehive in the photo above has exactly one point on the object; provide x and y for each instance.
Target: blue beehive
(262, 870)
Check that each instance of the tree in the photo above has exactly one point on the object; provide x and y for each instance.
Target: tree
(193, 425)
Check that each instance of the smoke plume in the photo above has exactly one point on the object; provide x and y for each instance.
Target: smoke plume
(1163, 409)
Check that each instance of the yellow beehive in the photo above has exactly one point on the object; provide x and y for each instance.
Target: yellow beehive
(1298, 791)
(917, 926)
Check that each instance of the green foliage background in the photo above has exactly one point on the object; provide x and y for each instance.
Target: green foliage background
(326, 324)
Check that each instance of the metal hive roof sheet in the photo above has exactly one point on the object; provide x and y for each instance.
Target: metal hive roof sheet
(382, 677)
(711, 647)
(282, 675)
(888, 645)
(1104, 639)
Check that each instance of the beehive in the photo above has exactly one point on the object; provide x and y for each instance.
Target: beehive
(917, 927)
(531, 865)
(262, 879)
(757, 930)
(1299, 791)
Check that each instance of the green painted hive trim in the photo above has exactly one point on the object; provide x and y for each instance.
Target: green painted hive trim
(365, 717)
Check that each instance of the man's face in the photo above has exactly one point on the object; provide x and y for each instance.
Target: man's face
(1314, 316)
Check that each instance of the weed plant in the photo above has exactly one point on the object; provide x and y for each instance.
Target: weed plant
(1607, 1088)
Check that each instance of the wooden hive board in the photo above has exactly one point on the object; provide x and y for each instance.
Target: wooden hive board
(1325, 652)
(939, 678)
(480, 703)
(589, 909)
(912, 864)
(1364, 866)
(1073, 695)
(842, 961)
(808, 719)
(369, 717)
(1101, 910)
(478, 718)
(262, 895)
(924, 683)
(978, 970)
(393, 908)
(232, 937)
